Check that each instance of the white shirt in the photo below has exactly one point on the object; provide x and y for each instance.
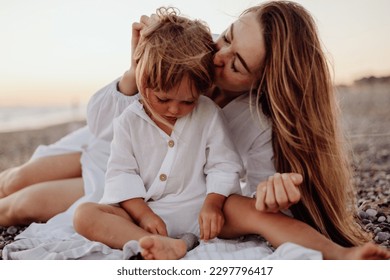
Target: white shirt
(172, 173)
(251, 135)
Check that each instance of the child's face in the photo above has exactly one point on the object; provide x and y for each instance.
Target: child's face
(174, 104)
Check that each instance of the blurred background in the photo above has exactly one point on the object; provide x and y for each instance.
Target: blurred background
(54, 54)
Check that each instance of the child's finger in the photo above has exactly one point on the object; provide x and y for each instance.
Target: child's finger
(200, 221)
(206, 229)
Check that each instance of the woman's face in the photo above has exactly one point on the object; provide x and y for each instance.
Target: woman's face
(240, 54)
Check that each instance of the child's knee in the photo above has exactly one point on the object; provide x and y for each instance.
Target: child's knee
(84, 217)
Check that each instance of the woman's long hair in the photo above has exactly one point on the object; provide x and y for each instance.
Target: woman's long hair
(296, 92)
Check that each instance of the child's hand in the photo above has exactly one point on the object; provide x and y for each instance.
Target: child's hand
(153, 224)
(279, 192)
(211, 218)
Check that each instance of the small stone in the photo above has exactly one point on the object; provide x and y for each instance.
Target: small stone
(366, 221)
(383, 236)
(381, 219)
(388, 219)
(12, 230)
(371, 212)
(372, 218)
(363, 215)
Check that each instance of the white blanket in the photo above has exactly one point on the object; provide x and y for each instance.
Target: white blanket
(217, 249)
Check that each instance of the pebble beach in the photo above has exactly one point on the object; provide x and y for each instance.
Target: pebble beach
(366, 122)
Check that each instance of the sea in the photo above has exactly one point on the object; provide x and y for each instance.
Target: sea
(18, 118)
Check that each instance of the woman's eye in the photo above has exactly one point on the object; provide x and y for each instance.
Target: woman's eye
(233, 67)
(189, 102)
(225, 39)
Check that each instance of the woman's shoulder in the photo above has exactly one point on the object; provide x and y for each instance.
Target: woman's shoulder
(243, 110)
(205, 104)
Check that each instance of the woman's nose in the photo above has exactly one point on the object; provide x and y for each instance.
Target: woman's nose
(221, 56)
(218, 59)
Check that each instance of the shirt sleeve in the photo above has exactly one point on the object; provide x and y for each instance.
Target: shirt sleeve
(103, 107)
(260, 161)
(122, 177)
(224, 166)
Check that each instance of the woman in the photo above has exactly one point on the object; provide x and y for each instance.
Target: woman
(273, 51)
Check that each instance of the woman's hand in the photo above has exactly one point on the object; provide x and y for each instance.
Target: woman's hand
(211, 218)
(279, 192)
(127, 85)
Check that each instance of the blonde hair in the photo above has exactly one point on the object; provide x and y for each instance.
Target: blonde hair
(296, 92)
(171, 49)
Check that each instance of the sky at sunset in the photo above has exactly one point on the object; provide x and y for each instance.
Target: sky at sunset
(61, 52)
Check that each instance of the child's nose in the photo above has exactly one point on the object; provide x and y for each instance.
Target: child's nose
(174, 109)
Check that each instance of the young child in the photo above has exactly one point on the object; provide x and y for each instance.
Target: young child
(172, 164)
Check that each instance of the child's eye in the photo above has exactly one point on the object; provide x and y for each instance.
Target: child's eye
(189, 102)
(161, 100)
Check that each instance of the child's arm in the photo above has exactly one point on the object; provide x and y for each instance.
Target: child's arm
(144, 217)
(211, 219)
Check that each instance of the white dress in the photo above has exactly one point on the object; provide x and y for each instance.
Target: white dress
(57, 239)
(173, 173)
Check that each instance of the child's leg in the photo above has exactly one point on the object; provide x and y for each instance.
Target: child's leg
(112, 226)
(108, 224)
(242, 218)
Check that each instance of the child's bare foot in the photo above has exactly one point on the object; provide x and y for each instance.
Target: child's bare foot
(368, 251)
(157, 247)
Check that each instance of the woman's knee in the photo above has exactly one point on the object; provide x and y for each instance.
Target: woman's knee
(12, 180)
(25, 209)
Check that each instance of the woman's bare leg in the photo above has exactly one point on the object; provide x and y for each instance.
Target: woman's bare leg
(242, 218)
(39, 202)
(40, 170)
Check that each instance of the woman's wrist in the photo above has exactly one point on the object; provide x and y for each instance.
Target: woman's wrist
(127, 84)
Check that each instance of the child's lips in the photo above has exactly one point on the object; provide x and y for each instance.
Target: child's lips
(171, 119)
